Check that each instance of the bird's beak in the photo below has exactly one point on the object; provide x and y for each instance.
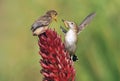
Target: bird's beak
(66, 23)
(55, 18)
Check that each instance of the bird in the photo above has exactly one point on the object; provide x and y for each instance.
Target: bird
(71, 36)
(42, 23)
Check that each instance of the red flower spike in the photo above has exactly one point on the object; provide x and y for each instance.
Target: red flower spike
(55, 62)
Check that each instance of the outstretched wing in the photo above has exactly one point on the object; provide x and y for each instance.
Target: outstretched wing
(85, 22)
(63, 30)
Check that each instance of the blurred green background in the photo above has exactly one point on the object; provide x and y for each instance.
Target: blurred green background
(98, 45)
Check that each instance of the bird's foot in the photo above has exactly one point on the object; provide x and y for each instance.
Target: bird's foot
(43, 34)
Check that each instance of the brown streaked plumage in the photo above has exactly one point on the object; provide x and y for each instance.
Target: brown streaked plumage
(41, 24)
(71, 34)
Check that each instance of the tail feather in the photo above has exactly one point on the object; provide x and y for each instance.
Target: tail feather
(74, 58)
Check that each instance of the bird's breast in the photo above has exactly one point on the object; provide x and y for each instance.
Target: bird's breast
(71, 37)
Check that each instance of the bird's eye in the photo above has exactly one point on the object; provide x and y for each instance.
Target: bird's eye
(55, 14)
(71, 23)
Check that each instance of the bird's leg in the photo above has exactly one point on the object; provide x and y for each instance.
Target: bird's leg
(43, 34)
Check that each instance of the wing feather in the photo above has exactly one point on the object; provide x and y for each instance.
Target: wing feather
(41, 22)
(85, 22)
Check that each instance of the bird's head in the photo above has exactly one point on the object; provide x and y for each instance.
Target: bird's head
(70, 24)
(53, 14)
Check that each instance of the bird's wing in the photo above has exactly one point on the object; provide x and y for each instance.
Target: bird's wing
(41, 22)
(85, 22)
(63, 30)
(44, 20)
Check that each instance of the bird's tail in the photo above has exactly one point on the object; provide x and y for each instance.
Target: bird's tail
(74, 58)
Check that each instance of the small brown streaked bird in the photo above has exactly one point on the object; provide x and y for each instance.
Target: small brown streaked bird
(71, 34)
(42, 23)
